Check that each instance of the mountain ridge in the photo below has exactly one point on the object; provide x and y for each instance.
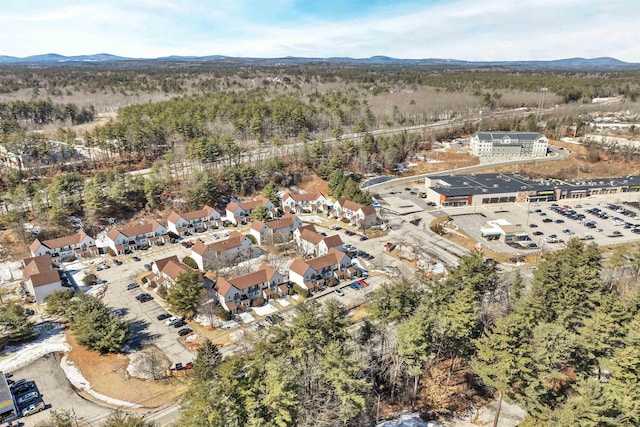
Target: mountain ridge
(103, 58)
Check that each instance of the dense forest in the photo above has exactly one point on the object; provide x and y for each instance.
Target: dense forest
(567, 350)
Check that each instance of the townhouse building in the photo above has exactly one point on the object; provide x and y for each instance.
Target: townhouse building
(194, 221)
(239, 292)
(78, 245)
(222, 253)
(275, 231)
(131, 238)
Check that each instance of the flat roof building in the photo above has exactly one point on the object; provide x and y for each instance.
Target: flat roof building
(482, 189)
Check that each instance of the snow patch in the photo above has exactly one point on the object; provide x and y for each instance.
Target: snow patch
(246, 317)
(76, 378)
(265, 310)
(283, 302)
(51, 339)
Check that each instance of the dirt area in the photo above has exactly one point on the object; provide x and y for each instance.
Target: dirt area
(314, 184)
(108, 375)
(583, 163)
(448, 160)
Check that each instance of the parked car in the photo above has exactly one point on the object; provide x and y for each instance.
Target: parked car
(144, 297)
(136, 259)
(147, 267)
(173, 320)
(28, 397)
(34, 408)
(349, 233)
(18, 383)
(163, 316)
(256, 325)
(117, 312)
(184, 331)
(363, 238)
(179, 324)
(29, 312)
(132, 285)
(339, 292)
(117, 262)
(270, 320)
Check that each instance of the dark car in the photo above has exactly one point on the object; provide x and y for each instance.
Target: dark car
(147, 267)
(184, 331)
(538, 233)
(547, 220)
(533, 225)
(363, 238)
(179, 324)
(117, 262)
(163, 316)
(136, 259)
(144, 297)
(132, 285)
(22, 388)
(269, 320)
(29, 312)
(349, 233)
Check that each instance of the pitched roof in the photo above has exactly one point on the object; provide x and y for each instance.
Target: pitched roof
(368, 210)
(263, 275)
(35, 245)
(140, 229)
(200, 213)
(37, 265)
(234, 240)
(311, 236)
(299, 266)
(45, 278)
(305, 197)
(161, 263)
(257, 225)
(247, 206)
(333, 241)
(332, 258)
(113, 233)
(174, 217)
(286, 221)
(199, 248)
(307, 227)
(348, 204)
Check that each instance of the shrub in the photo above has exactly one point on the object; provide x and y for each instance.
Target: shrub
(301, 291)
(252, 238)
(143, 248)
(190, 262)
(111, 252)
(223, 314)
(89, 279)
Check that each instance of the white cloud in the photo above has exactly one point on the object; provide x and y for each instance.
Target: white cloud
(462, 29)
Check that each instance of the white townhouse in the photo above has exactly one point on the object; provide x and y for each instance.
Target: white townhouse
(218, 254)
(79, 245)
(357, 214)
(40, 278)
(304, 203)
(311, 243)
(275, 231)
(202, 219)
(239, 292)
(166, 271)
(131, 238)
(239, 212)
(312, 273)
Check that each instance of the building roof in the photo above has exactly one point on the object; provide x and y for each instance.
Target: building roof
(199, 248)
(247, 206)
(60, 242)
(353, 206)
(311, 236)
(205, 212)
(305, 197)
(257, 225)
(332, 258)
(134, 230)
(512, 137)
(488, 183)
(263, 275)
(333, 241)
(234, 240)
(286, 221)
(45, 278)
(36, 265)
(307, 227)
(299, 266)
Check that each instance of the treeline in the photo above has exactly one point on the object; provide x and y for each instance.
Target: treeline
(567, 351)
(16, 115)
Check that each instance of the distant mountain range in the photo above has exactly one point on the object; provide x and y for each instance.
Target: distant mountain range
(50, 59)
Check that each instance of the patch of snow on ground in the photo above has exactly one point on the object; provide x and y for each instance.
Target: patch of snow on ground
(76, 378)
(97, 290)
(265, 310)
(10, 271)
(191, 338)
(283, 302)
(142, 365)
(51, 339)
(246, 317)
(313, 218)
(230, 324)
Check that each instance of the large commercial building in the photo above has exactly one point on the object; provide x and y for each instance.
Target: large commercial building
(508, 144)
(482, 189)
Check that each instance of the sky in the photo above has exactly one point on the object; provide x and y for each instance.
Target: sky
(475, 30)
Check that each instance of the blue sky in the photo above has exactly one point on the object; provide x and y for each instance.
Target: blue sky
(460, 29)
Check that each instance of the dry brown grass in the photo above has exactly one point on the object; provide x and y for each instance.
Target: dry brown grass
(107, 375)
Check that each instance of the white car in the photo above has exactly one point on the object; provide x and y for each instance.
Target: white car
(171, 320)
(28, 397)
